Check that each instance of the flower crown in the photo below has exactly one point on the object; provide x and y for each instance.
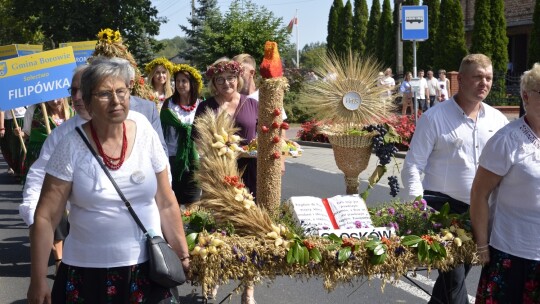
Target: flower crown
(225, 66)
(177, 68)
(109, 36)
(158, 61)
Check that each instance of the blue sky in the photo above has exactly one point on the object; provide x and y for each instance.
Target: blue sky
(312, 16)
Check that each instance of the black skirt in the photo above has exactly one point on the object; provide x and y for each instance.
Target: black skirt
(118, 285)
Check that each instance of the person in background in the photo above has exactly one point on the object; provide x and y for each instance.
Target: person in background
(406, 91)
(9, 142)
(423, 103)
(250, 89)
(444, 86)
(505, 205)
(105, 256)
(177, 116)
(159, 73)
(445, 149)
(432, 89)
(387, 81)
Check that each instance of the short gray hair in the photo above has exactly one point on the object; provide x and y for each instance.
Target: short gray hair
(101, 68)
(530, 80)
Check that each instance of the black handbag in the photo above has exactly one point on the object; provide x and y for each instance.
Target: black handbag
(165, 265)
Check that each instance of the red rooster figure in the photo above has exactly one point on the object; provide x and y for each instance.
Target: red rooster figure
(271, 64)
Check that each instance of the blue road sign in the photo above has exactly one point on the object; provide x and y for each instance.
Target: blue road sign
(414, 22)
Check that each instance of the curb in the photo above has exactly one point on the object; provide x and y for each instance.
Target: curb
(400, 154)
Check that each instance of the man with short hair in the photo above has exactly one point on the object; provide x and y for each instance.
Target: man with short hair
(423, 104)
(445, 148)
(432, 89)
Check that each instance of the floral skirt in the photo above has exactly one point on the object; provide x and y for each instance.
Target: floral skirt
(509, 279)
(129, 284)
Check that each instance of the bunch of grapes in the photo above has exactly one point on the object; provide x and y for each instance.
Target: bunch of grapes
(384, 151)
(394, 185)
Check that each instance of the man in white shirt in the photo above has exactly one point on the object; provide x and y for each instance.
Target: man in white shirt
(445, 148)
(423, 104)
(432, 89)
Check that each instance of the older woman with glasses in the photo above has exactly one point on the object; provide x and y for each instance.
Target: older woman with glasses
(105, 258)
(225, 82)
(505, 205)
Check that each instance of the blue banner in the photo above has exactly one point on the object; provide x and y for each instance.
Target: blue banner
(36, 78)
(82, 50)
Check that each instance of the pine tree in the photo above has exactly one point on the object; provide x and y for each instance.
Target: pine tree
(427, 49)
(534, 43)
(499, 51)
(360, 20)
(206, 12)
(373, 28)
(345, 36)
(450, 39)
(385, 29)
(333, 25)
(482, 30)
(390, 42)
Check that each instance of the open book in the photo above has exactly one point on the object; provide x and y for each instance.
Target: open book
(338, 212)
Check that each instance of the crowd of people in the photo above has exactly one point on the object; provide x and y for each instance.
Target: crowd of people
(463, 152)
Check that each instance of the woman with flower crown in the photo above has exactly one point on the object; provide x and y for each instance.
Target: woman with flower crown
(177, 115)
(159, 73)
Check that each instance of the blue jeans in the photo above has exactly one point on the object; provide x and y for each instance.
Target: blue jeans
(432, 99)
(423, 105)
(450, 286)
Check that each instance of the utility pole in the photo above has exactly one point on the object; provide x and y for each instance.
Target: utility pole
(399, 42)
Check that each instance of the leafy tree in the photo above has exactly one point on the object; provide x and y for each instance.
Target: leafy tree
(244, 28)
(65, 21)
(450, 38)
(534, 44)
(373, 28)
(14, 30)
(427, 49)
(311, 54)
(499, 51)
(173, 47)
(344, 41)
(385, 30)
(333, 25)
(360, 19)
(482, 30)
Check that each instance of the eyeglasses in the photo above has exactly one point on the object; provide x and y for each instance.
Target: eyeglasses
(73, 91)
(229, 79)
(108, 95)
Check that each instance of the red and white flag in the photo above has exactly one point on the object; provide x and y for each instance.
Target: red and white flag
(294, 21)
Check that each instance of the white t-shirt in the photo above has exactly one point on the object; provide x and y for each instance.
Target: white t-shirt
(446, 147)
(514, 153)
(432, 86)
(186, 118)
(423, 86)
(389, 83)
(102, 232)
(443, 88)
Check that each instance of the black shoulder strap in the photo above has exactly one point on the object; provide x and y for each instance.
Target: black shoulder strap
(100, 162)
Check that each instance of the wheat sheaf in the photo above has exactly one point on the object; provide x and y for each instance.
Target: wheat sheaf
(341, 75)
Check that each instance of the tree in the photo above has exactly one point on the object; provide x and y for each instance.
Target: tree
(534, 44)
(176, 46)
(385, 30)
(450, 38)
(482, 30)
(499, 46)
(333, 25)
(373, 28)
(311, 55)
(360, 20)
(207, 12)
(67, 21)
(427, 49)
(244, 28)
(14, 30)
(344, 41)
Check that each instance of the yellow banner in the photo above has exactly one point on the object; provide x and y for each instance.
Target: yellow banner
(8, 51)
(81, 45)
(31, 48)
(38, 61)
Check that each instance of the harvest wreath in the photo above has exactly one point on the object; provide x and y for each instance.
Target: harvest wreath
(230, 238)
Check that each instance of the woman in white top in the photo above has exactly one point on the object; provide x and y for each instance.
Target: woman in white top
(177, 115)
(9, 142)
(406, 90)
(159, 73)
(105, 258)
(505, 205)
(444, 86)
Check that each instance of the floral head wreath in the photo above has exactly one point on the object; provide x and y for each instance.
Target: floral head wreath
(225, 66)
(192, 71)
(158, 61)
(109, 36)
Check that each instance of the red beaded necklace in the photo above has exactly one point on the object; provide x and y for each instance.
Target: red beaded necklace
(188, 109)
(107, 159)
